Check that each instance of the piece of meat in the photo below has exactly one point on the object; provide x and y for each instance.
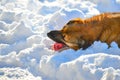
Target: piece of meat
(57, 46)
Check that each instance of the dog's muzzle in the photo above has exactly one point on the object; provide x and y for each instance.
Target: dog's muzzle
(56, 36)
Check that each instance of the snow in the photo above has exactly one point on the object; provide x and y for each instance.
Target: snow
(25, 52)
(16, 74)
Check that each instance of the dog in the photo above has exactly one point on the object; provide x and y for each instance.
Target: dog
(81, 33)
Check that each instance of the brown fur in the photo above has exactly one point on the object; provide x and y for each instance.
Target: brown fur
(79, 33)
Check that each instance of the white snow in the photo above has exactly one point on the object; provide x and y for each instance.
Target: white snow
(16, 74)
(25, 52)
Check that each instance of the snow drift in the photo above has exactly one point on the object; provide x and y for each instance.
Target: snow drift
(25, 52)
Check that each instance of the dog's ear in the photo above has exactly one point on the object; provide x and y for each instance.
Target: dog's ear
(76, 20)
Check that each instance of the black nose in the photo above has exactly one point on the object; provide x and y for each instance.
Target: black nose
(52, 34)
(49, 34)
(55, 35)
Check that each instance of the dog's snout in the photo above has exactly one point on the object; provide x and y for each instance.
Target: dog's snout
(49, 34)
(52, 34)
(55, 35)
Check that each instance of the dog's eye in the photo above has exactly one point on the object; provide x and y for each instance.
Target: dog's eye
(63, 35)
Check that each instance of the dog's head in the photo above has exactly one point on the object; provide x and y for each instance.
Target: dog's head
(80, 33)
(70, 35)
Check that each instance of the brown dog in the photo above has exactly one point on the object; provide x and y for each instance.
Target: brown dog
(79, 33)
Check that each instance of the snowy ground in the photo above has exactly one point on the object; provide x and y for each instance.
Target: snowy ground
(24, 46)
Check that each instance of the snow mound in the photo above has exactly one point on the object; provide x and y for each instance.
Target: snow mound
(16, 74)
(98, 66)
(25, 52)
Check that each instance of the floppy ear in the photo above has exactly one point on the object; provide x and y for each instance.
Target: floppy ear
(78, 20)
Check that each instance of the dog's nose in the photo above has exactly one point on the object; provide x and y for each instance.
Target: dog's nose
(55, 35)
(51, 34)
(48, 34)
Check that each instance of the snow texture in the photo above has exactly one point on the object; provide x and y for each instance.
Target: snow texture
(25, 52)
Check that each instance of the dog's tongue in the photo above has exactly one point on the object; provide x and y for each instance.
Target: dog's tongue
(57, 46)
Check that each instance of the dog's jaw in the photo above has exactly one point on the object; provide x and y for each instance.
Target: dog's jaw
(57, 37)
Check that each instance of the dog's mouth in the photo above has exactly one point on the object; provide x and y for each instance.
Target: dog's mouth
(59, 44)
(59, 47)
